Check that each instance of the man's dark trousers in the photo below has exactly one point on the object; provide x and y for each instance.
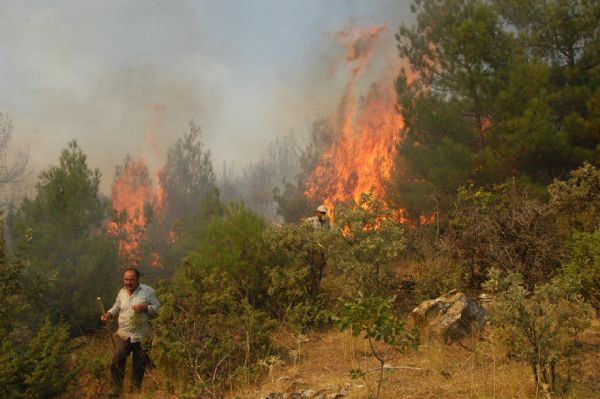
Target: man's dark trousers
(117, 367)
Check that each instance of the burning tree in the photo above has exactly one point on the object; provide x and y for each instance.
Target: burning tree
(360, 156)
(151, 210)
(132, 198)
(494, 90)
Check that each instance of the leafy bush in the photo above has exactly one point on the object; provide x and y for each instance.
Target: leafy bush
(298, 262)
(539, 326)
(40, 370)
(10, 373)
(578, 200)
(30, 366)
(504, 228)
(309, 268)
(367, 238)
(207, 336)
(234, 243)
(435, 270)
(210, 329)
(373, 316)
(437, 275)
(584, 264)
(309, 315)
(12, 300)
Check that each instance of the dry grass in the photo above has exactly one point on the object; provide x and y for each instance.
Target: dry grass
(477, 369)
(321, 361)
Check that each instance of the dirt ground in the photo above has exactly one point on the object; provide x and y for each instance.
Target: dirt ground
(476, 368)
(321, 363)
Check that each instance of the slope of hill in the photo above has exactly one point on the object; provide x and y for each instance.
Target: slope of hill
(318, 365)
(476, 368)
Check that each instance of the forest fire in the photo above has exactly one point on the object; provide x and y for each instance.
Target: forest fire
(131, 195)
(360, 158)
(137, 196)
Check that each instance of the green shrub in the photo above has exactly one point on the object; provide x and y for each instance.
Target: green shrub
(30, 366)
(368, 237)
(46, 363)
(504, 228)
(40, 370)
(93, 360)
(373, 317)
(540, 326)
(297, 263)
(437, 275)
(206, 336)
(578, 200)
(584, 264)
(310, 268)
(301, 247)
(309, 315)
(211, 330)
(10, 371)
(12, 299)
(234, 243)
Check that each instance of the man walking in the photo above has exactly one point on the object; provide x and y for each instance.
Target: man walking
(134, 305)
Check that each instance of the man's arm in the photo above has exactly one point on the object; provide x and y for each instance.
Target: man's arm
(116, 308)
(153, 303)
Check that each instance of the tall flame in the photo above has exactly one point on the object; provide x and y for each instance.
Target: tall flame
(150, 147)
(361, 156)
(131, 194)
(134, 192)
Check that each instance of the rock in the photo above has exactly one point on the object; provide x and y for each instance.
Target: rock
(298, 384)
(449, 318)
(486, 300)
(321, 393)
(345, 389)
(483, 297)
(302, 338)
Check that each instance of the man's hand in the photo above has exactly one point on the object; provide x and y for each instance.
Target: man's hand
(139, 308)
(106, 316)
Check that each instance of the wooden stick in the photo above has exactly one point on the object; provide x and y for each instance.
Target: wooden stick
(107, 322)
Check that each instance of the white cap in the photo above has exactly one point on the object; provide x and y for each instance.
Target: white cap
(322, 208)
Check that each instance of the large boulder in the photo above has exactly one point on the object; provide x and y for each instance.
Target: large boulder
(448, 318)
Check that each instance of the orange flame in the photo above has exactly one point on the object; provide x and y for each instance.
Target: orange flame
(133, 191)
(150, 147)
(361, 157)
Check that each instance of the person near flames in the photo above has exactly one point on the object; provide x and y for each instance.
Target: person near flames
(320, 221)
(134, 305)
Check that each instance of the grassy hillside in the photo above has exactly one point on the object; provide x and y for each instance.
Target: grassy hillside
(319, 364)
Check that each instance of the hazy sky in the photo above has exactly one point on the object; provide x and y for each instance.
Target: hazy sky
(127, 76)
